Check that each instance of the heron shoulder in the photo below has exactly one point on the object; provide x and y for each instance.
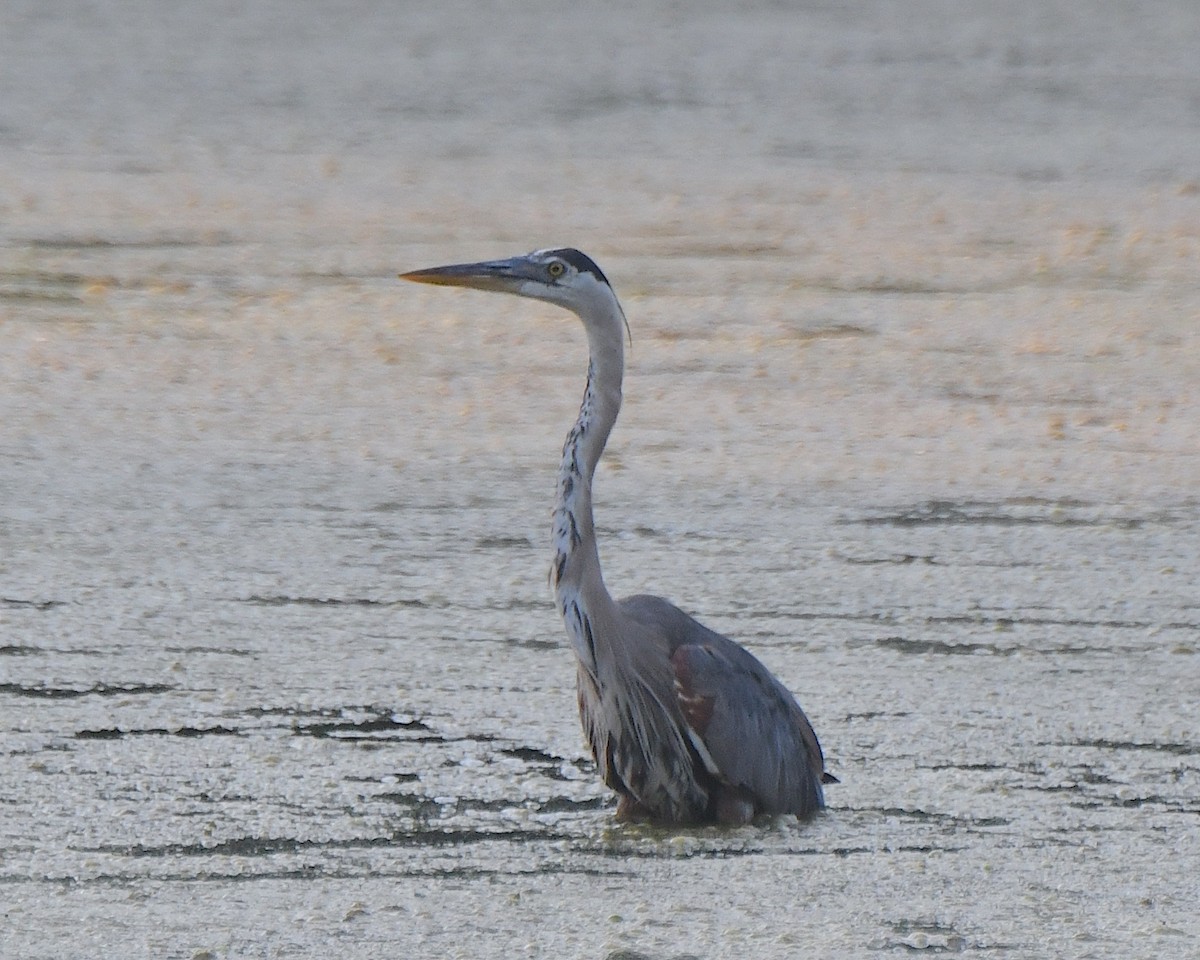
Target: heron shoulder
(665, 619)
(680, 629)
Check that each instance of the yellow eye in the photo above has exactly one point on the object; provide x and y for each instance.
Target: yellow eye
(556, 268)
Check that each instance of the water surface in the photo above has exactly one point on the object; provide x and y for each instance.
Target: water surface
(911, 411)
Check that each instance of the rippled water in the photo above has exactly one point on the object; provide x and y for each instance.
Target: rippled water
(911, 411)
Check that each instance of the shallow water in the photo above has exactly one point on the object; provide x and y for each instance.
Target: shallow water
(911, 411)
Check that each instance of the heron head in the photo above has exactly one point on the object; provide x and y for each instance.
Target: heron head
(563, 276)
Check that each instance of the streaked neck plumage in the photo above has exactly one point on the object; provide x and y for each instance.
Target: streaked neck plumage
(579, 587)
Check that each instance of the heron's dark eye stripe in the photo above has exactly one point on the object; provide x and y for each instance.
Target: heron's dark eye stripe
(580, 261)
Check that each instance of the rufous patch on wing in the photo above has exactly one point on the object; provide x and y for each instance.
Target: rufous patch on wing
(697, 707)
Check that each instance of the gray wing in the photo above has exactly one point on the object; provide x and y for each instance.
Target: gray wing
(754, 732)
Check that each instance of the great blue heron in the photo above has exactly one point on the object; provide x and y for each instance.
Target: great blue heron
(685, 725)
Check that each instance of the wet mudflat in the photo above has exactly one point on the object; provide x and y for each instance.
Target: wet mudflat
(911, 410)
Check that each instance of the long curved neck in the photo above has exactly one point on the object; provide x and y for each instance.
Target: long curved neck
(579, 587)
